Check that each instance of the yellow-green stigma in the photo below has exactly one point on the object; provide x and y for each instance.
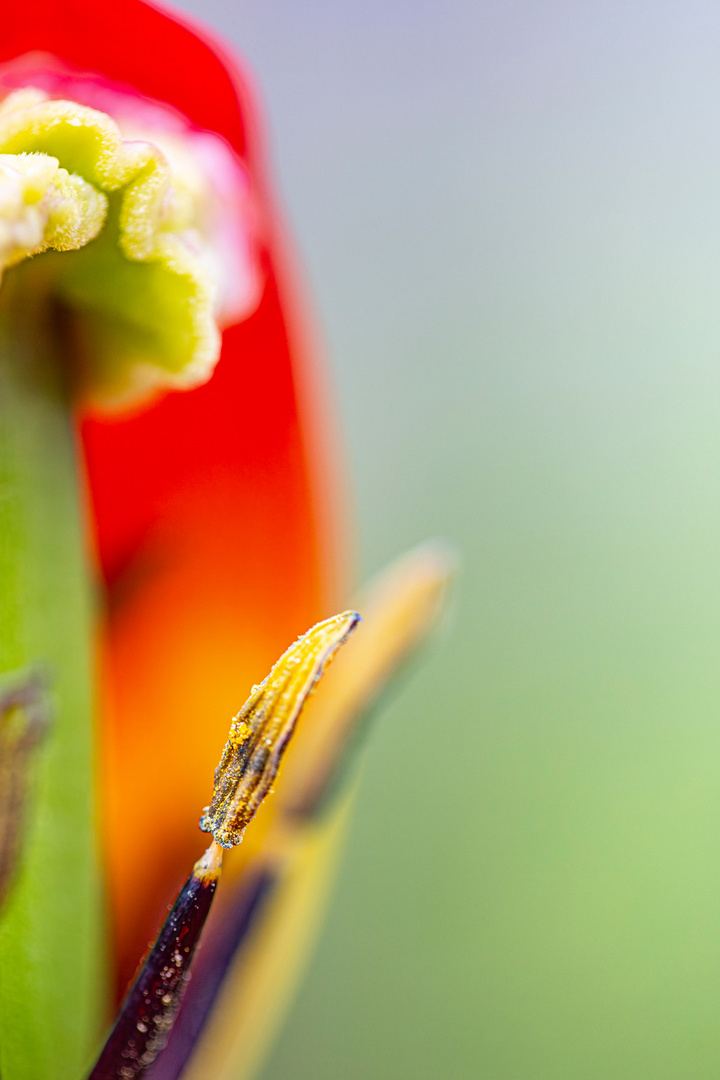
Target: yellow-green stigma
(131, 274)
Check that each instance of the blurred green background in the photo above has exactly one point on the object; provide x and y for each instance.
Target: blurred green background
(510, 217)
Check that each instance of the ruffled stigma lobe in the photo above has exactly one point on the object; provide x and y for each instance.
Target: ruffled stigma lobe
(137, 274)
(43, 206)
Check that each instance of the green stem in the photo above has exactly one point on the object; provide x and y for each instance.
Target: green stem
(51, 990)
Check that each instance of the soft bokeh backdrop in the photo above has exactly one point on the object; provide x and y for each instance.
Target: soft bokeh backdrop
(510, 217)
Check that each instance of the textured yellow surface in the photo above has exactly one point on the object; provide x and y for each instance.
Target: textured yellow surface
(261, 730)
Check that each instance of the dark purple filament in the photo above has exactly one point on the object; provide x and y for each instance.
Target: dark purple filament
(148, 1012)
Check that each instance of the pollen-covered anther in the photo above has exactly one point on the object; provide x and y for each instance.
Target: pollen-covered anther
(44, 206)
(262, 729)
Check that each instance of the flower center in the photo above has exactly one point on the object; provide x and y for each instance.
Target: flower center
(142, 237)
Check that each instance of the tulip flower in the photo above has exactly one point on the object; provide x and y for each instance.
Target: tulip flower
(169, 523)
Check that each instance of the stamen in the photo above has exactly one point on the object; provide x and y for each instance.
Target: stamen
(258, 739)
